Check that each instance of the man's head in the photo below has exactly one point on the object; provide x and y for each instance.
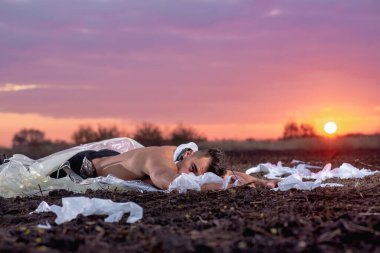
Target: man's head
(200, 162)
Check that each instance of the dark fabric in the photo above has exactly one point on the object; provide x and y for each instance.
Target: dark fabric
(181, 154)
(77, 160)
(3, 157)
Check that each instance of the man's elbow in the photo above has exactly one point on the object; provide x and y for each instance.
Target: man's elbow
(163, 185)
(211, 186)
(162, 181)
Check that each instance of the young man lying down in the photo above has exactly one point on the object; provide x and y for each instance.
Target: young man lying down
(158, 166)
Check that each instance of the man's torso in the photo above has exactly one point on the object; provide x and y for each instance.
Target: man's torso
(136, 164)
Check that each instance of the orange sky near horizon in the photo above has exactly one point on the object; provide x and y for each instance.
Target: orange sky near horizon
(231, 69)
(63, 128)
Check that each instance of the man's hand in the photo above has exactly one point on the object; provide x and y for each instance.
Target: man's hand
(272, 183)
(211, 186)
(245, 179)
(239, 181)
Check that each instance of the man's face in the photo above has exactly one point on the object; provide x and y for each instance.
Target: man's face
(194, 162)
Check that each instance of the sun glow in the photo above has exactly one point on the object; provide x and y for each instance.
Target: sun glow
(330, 127)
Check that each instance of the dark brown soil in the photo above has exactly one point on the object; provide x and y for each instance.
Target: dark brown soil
(345, 219)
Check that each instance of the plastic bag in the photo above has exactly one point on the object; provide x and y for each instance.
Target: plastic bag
(294, 176)
(73, 206)
(117, 182)
(295, 182)
(190, 181)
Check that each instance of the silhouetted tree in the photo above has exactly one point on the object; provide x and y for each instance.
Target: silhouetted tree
(293, 131)
(306, 131)
(149, 134)
(108, 133)
(28, 137)
(86, 134)
(290, 131)
(32, 143)
(182, 134)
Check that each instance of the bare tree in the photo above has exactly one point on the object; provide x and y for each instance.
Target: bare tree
(182, 134)
(86, 134)
(293, 131)
(32, 142)
(149, 134)
(109, 132)
(306, 131)
(28, 137)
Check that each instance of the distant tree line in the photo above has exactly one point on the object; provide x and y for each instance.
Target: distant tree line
(148, 134)
(32, 142)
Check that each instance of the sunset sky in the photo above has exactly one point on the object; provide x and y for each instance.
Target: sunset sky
(229, 68)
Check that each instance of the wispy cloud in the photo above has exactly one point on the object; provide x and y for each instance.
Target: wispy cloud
(11, 87)
(275, 13)
(84, 30)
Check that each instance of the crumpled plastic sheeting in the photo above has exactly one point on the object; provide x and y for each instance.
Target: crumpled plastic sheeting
(178, 150)
(117, 182)
(294, 176)
(73, 206)
(185, 182)
(44, 226)
(295, 182)
(22, 176)
(345, 171)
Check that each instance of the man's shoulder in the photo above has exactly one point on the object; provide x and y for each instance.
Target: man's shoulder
(159, 157)
(159, 148)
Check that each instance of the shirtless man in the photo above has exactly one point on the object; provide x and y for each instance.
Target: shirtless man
(155, 165)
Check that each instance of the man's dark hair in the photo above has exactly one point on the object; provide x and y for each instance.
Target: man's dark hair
(217, 162)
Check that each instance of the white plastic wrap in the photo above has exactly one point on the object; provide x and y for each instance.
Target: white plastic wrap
(23, 176)
(295, 182)
(294, 176)
(117, 182)
(178, 150)
(185, 182)
(73, 206)
(44, 226)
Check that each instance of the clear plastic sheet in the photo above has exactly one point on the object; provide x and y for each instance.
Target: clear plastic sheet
(120, 183)
(22, 176)
(73, 206)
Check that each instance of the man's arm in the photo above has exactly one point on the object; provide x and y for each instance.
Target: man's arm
(211, 186)
(250, 179)
(161, 178)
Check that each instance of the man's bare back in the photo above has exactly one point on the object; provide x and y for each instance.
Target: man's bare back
(138, 164)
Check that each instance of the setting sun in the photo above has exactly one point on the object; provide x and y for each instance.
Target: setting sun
(330, 127)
